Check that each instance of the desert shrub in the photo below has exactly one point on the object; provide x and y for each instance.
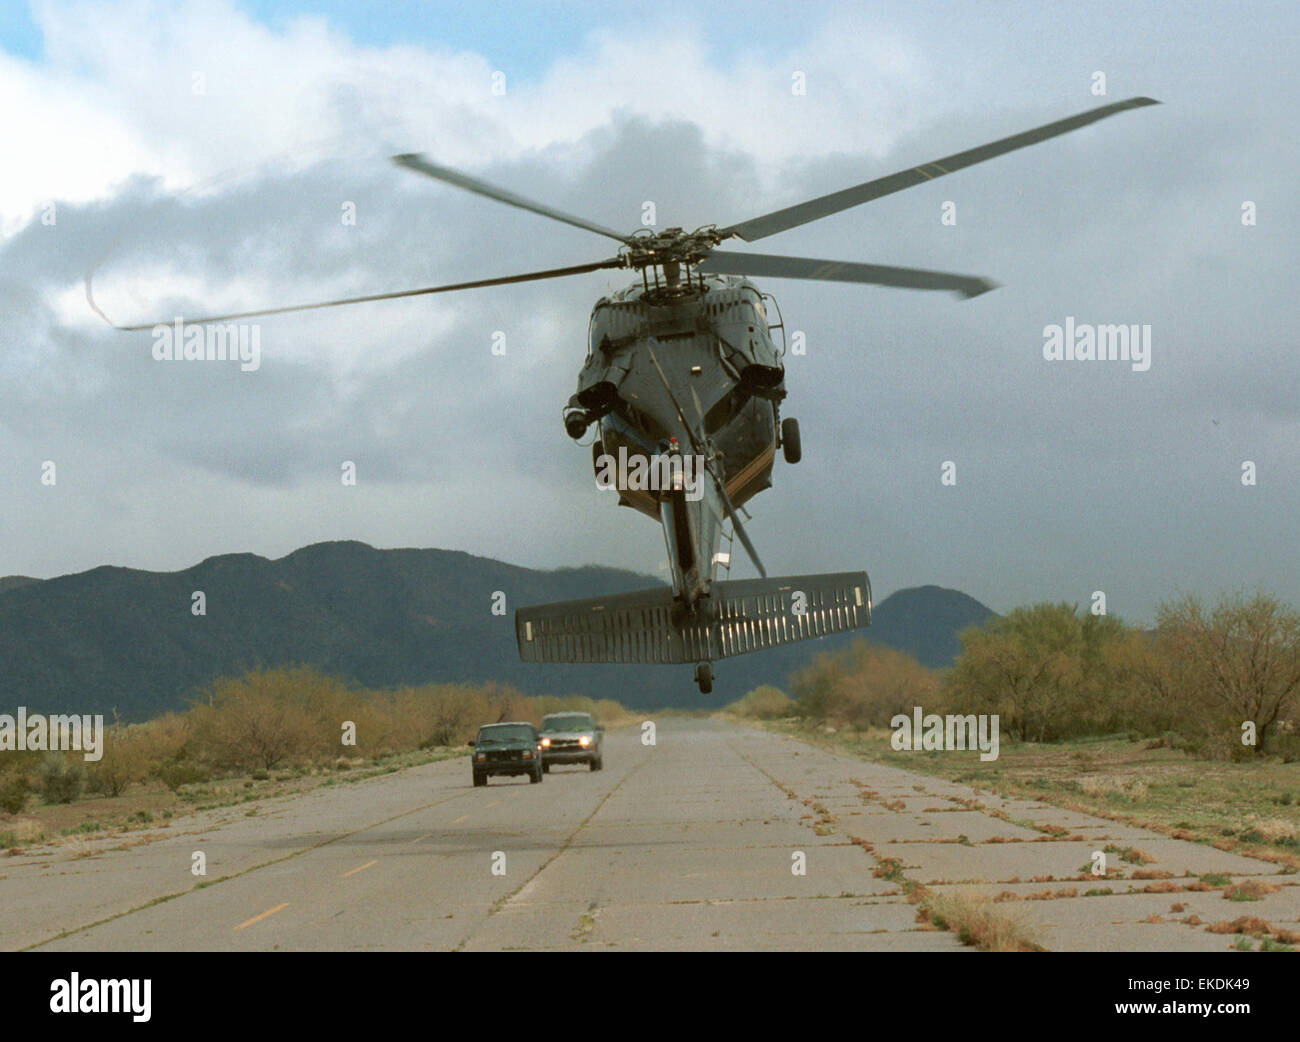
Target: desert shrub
(62, 780)
(14, 789)
(764, 703)
(1235, 663)
(863, 685)
(175, 773)
(125, 760)
(271, 717)
(1047, 671)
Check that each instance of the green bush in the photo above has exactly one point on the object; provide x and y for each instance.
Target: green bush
(175, 773)
(61, 781)
(13, 794)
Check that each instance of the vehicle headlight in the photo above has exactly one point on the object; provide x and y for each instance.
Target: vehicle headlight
(584, 741)
(546, 743)
(480, 756)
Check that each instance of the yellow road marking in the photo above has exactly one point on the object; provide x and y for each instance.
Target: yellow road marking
(361, 869)
(491, 805)
(259, 918)
(460, 819)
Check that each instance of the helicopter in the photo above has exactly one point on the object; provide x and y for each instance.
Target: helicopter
(684, 381)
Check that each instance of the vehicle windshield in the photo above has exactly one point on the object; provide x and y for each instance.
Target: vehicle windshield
(567, 722)
(506, 733)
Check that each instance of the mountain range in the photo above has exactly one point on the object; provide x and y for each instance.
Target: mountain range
(125, 639)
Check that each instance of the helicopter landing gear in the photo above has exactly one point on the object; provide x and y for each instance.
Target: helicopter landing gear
(790, 445)
(704, 677)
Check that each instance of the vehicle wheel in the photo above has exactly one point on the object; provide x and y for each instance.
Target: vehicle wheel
(704, 677)
(791, 447)
(479, 779)
(546, 768)
(535, 777)
(597, 764)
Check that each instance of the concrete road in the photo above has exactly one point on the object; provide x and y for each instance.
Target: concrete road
(691, 843)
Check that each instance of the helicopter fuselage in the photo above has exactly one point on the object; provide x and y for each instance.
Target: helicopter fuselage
(688, 370)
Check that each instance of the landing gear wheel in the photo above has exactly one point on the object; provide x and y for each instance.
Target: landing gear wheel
(791, 447)
(535, 776)
(704, 677)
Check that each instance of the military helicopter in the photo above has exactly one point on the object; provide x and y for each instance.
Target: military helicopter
(684, 382)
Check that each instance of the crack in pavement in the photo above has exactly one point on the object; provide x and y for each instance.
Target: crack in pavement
(505, 899)
(234, 875)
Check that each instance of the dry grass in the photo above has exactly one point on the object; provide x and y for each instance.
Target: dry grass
(78, 847)
(890, 868)
(1251, 890)
(978, 923)
(1255, 802)
(17, 833)
(1253, 926)
(1104, 784)
(1276, 830)
(1247, 924)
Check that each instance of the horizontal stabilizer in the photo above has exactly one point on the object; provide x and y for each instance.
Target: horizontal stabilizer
(747, 615)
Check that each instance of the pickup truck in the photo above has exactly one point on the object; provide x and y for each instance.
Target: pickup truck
(571, 738)
(510, 748)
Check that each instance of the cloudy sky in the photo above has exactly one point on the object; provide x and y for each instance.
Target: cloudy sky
(203, 155)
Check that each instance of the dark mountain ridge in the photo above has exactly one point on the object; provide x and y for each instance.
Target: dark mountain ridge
(128, 639)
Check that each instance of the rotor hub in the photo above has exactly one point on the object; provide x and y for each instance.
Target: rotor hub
(670, 248)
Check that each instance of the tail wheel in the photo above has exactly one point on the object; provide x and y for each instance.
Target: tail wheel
(791, 447)
(704, 677)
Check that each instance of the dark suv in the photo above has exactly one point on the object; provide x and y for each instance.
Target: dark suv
(512, 748)
(571, 738)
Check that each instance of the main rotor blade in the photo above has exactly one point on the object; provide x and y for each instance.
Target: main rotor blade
(768, 266)
(421, 165)
(552, 273)
(824, 206)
